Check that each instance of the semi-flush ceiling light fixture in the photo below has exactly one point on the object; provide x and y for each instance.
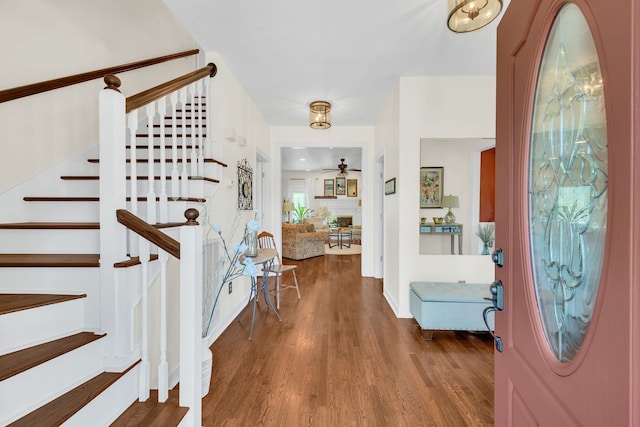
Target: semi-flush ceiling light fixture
(320, 115)
(470, 15)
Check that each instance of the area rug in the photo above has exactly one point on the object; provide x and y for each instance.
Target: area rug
(353, 250)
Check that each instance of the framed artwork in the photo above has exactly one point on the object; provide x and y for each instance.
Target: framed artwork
(245, 185)
(431, 187)
(341, 186)
(390, 186)
(352, 188)
(328, 187)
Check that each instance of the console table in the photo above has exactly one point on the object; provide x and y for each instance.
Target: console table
(452, 230)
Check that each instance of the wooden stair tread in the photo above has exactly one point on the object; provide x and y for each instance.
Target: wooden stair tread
(49, 260)
(152, 413)
(61, 409)
(19, 361)
(168, 161)
(10, 303)
(50, 226)
(133, 261)
(97, 199)
(140, 178)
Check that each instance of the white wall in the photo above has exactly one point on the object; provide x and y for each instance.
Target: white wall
(233, 111)
(336, 136)
(433, 108)
(43, 40)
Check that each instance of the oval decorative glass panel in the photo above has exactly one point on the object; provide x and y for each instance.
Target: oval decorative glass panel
(568, 183)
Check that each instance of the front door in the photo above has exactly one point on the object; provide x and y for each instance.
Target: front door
(566, 201)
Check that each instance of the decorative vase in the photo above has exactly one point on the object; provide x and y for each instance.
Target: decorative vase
(485, 249)
(207, 367)
(252, 244)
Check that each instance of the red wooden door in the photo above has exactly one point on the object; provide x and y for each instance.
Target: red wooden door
(567, 197)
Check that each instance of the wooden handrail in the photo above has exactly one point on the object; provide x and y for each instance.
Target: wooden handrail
(32, 89)
(149, 232)
(143, 98)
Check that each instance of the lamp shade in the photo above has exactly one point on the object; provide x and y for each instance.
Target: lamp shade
(287, 207)
(320, 115)
(470, 15)
(450, 202)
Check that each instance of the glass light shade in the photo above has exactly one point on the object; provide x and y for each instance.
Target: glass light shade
(470, 15)
(320, 115)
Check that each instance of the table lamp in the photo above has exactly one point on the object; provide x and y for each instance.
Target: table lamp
(288, 207)
(450, 202)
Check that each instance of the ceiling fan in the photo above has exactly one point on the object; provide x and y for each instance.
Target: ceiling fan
(343, 168)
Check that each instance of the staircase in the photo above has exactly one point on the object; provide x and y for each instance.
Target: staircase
(52, 343)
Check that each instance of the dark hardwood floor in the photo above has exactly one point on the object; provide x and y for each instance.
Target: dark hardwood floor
(341, 358)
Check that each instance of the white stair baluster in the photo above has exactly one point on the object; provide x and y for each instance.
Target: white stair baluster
(132, 124)
(163, 202)
(145, 368)
(175, 174)
(163, 366)
(194, 129)
(201, 125)
(151, 195)
(184, 176)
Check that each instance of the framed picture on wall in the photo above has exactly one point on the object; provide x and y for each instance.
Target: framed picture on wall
(341, 186)
(352, 188)
(328, 187)
(390, 186)
(431, 187)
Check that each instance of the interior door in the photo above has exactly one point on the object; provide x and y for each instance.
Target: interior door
(566, 200)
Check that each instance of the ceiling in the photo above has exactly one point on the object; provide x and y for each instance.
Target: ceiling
(288, 53)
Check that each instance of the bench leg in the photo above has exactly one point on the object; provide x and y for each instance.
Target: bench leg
(427, 334)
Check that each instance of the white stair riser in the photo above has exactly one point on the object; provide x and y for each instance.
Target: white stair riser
(30, 327)
(109, 404)
(63, 280)
(49, 241)
(198, 188)
(31, 389)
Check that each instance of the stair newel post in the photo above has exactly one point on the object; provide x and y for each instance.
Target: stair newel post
(175, 174)
(132, 124)
(184, 176)
(163, 366)
(191, 318)
(194, 129)
(163, 199)
(151, 195)
(145, 367)
(112, 188)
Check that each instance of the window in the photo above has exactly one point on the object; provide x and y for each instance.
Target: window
(298, 192)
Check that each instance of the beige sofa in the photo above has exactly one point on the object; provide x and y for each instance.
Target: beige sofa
(300, 241)
(318, 223)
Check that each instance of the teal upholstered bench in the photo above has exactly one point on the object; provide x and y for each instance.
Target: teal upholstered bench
(449, 306)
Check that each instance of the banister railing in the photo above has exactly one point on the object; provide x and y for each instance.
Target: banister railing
(149, 232)
(35, 88)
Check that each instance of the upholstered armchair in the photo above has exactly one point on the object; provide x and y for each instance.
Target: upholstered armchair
(300, 241)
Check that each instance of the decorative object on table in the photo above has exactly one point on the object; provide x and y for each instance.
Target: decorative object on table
(237, 266)
(288, 207)
(450, 202)
(469, 15)
(328, 187)
(300, 213)
(341, 186)
(245, 185)
(431, 186)
(486, 233)
(423, 221)
(437, 219)
(390, 186)
(352, 188)
(323, 212)
(320, 115)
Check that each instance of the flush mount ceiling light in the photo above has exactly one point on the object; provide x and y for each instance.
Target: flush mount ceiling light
(320, 115)
(470, 15)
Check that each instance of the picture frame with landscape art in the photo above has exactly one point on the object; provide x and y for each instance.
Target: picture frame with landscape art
(328, 187)
(431, 187)
(341, 186)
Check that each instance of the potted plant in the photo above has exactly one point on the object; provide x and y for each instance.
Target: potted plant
(301, 212)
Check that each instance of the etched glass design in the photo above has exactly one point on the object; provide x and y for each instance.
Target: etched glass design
(568, 183)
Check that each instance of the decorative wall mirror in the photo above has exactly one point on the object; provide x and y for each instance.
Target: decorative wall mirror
(245, 185)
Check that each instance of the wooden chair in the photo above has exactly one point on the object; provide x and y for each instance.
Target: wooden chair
(266, 240)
